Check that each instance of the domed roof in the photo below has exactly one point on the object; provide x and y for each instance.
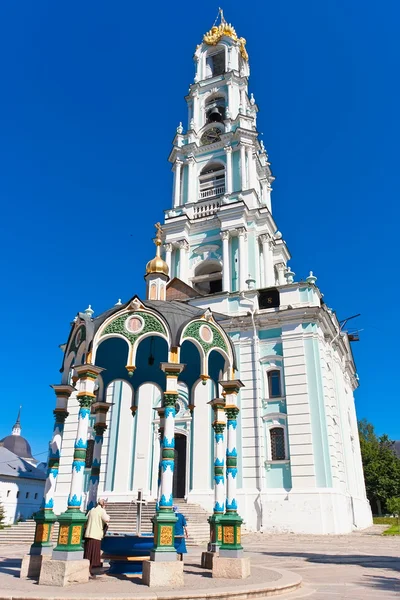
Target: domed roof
(157, 264)
(18, 445)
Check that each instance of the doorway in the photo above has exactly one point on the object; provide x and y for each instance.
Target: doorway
(179, 481)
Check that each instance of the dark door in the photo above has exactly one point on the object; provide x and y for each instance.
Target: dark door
(179, 481)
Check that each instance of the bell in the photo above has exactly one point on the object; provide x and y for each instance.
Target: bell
(214, 116)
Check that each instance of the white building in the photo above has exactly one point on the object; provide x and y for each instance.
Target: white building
(298, 456)
(21, 481)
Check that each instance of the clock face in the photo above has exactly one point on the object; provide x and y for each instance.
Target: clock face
(211, 136)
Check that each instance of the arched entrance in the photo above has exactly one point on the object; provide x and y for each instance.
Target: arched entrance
(179, 481)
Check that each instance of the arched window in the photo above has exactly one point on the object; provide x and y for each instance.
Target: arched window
(274, 384)
(214, 109)
(212, 181)
(215, 63)
(277, 435)
(208, 277)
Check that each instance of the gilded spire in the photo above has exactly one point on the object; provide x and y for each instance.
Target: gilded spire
(157, 264)
(216, 33)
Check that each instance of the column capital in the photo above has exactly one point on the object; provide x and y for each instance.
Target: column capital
(173, 369)
(241, 231)
(190, 159)
(231, 386)
(100, 428)
(178, 162)
(168, 247)
(101, 407)
(228, 149)
(63, 391)
(224, 235)
(183, 245)
(88, 371)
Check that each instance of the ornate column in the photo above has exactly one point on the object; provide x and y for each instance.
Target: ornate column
(168, 256)
(268, 276)
(177, 182)
(242, 258)
(281, 268)
(101, 409)
(164, 521)
(250, 165)
(73, 520)
(45, 517)
(183, 262)
(196, 109)
(231, 532)
(228, 183)
(243, 181)
(226, 274)
(218, 425)
(191, 187)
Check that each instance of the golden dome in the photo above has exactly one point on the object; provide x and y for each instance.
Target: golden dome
(157, 264)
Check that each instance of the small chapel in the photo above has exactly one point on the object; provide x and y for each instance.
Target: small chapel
(231, 383)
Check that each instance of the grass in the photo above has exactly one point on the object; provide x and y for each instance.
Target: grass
(385, 520)
(393, 530)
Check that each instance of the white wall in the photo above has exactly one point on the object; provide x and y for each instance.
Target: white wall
(21, 506)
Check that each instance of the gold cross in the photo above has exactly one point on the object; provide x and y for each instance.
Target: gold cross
(159, 230)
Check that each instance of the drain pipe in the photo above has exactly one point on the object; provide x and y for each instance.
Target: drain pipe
(256, 357)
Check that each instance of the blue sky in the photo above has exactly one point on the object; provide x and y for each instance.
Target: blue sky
(92, 93)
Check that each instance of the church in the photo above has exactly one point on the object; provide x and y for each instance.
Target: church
(231, 384)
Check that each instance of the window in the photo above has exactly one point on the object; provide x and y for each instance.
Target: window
(8, 493)
(36, 496)
(89, 454)
(17, 495)
(27, 495)
(274, 384)
(215, 64)
(208, 277)
(215, 110)
(277, 435)
(212, 180)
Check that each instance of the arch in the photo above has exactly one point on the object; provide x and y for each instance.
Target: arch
(215, 108)
(68, 363)
(208, 277)
(217, 361)
(215, 61)
(192, 355)
(212, 182)
(151, 350)
(208, 335)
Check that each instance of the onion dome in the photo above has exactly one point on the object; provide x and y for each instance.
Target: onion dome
(157, 264)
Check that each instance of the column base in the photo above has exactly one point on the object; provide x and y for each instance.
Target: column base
(163, 574)
(231, 533)
(32, 565)
(70, 534)
(61, 573)
(164, 534)
(231, 568)
(67, 555)
(45, 519)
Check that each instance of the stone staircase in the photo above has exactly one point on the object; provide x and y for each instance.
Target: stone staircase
(123, 519)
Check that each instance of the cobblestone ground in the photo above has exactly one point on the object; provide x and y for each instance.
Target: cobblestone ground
(360, 566)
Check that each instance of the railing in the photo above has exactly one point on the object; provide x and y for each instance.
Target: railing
(212, 192)
(205, 210)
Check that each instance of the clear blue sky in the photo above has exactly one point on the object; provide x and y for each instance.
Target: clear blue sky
(91, 94)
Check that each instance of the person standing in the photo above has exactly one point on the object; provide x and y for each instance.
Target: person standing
(96, 523)
(181, 533)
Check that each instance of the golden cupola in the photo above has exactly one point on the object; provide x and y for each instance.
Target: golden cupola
(157, 264)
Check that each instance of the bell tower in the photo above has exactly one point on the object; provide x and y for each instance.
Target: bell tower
(220, 232)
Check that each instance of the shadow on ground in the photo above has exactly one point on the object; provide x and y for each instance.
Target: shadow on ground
(11, 566)
(362, 560)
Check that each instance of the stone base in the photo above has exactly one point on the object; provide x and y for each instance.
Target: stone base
(32, 565)
(64, 572)
(231, 568)
(207, 559)
(163, 556)
(163, 574)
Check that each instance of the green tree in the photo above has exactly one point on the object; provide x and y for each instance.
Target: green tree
(381, 466)
(393, 506)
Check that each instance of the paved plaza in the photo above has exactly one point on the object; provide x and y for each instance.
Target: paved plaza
(360, 566)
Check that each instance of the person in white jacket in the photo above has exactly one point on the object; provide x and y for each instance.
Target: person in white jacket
(96, 521)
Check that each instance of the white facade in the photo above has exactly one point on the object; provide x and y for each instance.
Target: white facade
(299, 463)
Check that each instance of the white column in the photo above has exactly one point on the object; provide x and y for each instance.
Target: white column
(268, 276)
(183, 260)
(101, 409)
(250, 170)
(228, 182)
(192, 187)
(168, 255)
(243, 181)
(177, 183)
(281, 273)
(229, 108)
(242, 258)
(243, 100)
(87, 375)
(226, 272)
(196, 115)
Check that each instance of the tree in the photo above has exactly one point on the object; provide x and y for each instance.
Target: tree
(2, 516)
(381, 466)
(393, 506)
